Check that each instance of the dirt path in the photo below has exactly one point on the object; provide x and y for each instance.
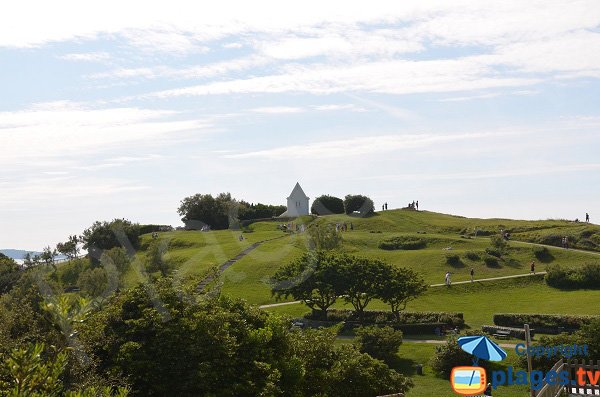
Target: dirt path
(224, 266)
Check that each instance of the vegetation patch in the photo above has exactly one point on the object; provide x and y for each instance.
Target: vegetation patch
(587, 276)
(542, 322)
(403, 243)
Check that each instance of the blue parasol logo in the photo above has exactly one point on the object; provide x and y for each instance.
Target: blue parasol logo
(482, 348)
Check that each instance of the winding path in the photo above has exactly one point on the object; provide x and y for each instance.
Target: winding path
(224, 266)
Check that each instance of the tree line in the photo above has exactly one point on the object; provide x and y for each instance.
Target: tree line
(320, 278)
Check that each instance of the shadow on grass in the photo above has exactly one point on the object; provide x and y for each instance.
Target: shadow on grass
(405, 366)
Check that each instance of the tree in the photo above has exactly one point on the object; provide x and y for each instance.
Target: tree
(399, 287)
(362, 280)
(106, 235)
(326, 205)
(204, 209)
(48, 257)
(324, 237)
(9, 273)
(247, 211)
(358, 203)
(499, 243)
(155, 257)
(116, 256)
(378, 342)
(93, 281)
(168, 345)
(69, 248)
(313, 278)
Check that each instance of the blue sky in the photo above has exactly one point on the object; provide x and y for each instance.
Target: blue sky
(475, 108)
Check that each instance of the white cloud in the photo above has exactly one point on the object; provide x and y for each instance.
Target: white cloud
(392, 77)
(87, 56)
(277, 109)
(60, 129)
(359, 146)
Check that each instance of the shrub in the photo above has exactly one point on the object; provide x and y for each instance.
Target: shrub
(498, 242)
(587, 276)
(403, 243)
(542, 254)
(450, 355)
(491, 261)
(453, 260)
(473, 256)
(546, 322)
(518, 333)
(358, 203)
(493, 252)
(325, 205)
(93, 281)
(384, 316)
(378, 342)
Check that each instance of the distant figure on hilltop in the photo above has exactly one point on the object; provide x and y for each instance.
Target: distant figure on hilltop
(417, 203)
(587, 217)
(386, 206)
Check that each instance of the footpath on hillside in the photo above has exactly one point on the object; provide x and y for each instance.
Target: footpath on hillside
(224, 266)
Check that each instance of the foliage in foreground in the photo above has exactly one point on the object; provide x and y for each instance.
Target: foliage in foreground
(165, 342)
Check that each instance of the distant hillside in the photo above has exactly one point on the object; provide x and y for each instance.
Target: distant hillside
(17, 254)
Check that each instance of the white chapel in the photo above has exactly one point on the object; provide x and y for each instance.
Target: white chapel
(297, 203)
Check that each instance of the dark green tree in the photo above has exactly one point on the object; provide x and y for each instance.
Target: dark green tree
(326, 205)
(106, 235)
(69, 248)
(313, 278)
(358, 203)
(400, 286)
(10, 272)
(93, 282)
(204, 209)
(362, 280)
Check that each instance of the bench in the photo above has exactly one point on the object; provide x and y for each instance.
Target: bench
(502, 334)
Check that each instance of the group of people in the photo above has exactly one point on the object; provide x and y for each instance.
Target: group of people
(414, 205)
(343, 227)
(292, 226)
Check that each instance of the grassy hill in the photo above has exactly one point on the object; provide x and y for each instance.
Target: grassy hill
(444, 235)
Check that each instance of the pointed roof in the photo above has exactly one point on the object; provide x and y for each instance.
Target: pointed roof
(298, 191)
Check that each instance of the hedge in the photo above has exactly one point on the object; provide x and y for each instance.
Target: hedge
(406, 318)
(403, 243)
(587, 276)
(544, 323)
(518, 333)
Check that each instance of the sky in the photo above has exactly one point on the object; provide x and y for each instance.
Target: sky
(119, 109)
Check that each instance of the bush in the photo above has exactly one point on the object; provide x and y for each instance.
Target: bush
(383, 316)
(518, 333)
(358, 203)
(587, 276)
(545, 322)
(473, 256)
(378, 342)
(325, 205)
(403, 243)
(453, 260)
(93, 282)
(491, 261)
(493, 252)
(542, 254)
(450, 355)
(498, 242)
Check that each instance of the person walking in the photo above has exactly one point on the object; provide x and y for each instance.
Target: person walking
(587, 217)
(417, 204)
(472, 274)
(447, 279)
(532, 267)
